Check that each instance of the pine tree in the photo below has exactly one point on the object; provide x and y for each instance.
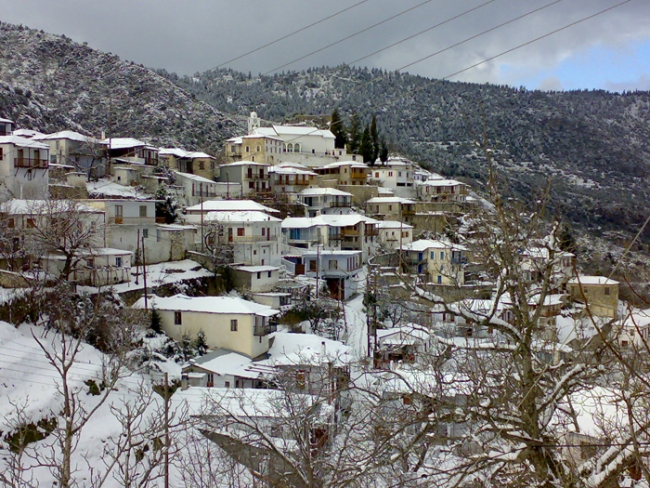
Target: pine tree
(366, 148)
(354, 138)
(337, 127)
(374, 138)
(156, 321)
(383, 151)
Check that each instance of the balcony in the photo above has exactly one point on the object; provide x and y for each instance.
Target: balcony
(459, 260)
(358, 175)
(335, 237)
(340, 204)
(131, 220)
(350, 232)
(240, 239)
(371, 231)
(262, 330)
(31, 163)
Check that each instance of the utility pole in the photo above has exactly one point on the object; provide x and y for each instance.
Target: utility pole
(137, 265)
(144, 275)
(166, 430)
(202, 236)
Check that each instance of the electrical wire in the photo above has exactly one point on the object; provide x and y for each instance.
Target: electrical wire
(288, 35)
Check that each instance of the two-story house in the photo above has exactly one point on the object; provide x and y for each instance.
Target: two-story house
(321, 201)
(396, 174)
(6, 127)
(598, 293)
(255, 147)
(442, 263)
(253, 176)
(195, 163)
(288, 179)
(339, 270)
(253, 235)
(131, 151)
(344, 173)
(227, 322)
(391, 208)
(449, 195)
(394, 234)
(197, 189)
(70, 148)
(24, 168)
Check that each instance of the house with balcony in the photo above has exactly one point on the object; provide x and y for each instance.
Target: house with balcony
(196, 189)
(252, 176)
(190, 162)
(338, 270)
(404, 344)
(126, 150)
(322, 201)
(394, 234)
(344, 173)
(7, 127)
(24, 168)
(449, 195)
(193, 214)
(255, 147)
(391, 208)
(252, 235)
(70, 148)
(231, 323)
(289, 179)
(351, 232)
(92, 267)
(438, 262)
(396, 174)
(222, 369)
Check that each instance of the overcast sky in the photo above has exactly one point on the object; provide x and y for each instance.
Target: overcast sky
(610, 51)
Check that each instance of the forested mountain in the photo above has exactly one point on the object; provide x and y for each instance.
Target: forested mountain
(593, 145)
(50, 83)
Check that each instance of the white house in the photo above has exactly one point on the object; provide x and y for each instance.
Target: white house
(339, 270)
(396, 174)
(253, 235)
(227, 322)
(442, 262)
(24, 166)
(193, 213)
(325, 200)
(252, 176)
(222, 369)
(7, 127)
(396, 208)
(256, 279)
(72, 148)
(288, 179)
(197, 188)
(394, 234)
(96, 267)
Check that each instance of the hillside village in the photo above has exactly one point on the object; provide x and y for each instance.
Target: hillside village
(284, 288)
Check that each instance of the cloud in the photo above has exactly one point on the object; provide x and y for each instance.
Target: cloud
(641, 83)
(551, 83)
(197, 35)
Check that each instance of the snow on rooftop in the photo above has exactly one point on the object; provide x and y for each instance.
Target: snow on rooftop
(28, 133)
(226, 362)
(592, 280)
(230, 206)
(256, 269)
(215, 305)
(197, 178)
(311, 192)
(424, 244)
(376, 200)
(6, 120)
(441, 182)
(393, 224)
(296, 349)
(31, 207)
(240, 216)
(107, 188)
(326, 220)
(67, 134)
(124, 143)
(244, 163)
(339, 164)
(23, 142)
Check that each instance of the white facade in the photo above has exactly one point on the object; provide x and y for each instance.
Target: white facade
(394, 234)
(339, 270)
(321, 200)
(24, 168)
(256, 279)
(99, 267)
(197, 188)
(396, 174)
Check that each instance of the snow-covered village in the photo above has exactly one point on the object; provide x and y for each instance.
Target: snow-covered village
(296, 316)
(423, 264)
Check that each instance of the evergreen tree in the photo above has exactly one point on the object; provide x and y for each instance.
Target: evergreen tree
(383, 151)
(156, 321)
(354, 138)
(374, 137)
(337, 127)
(366, 148)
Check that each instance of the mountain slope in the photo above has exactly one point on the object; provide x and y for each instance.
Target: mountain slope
(50, 83)
(593, 145)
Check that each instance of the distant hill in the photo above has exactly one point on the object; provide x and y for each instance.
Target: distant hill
(51, 83)
(594, 145)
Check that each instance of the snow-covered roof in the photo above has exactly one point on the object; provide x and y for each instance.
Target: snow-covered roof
(326, 220)
(230, 206)
(592, 280)
(291, 171)
(244, 163)
(312, 192)
(294, 130)
(331, 252)
(109, 188)
(226, 362)
(339, 164)
(99, 251)
(377, 200)
(182, 153)
(297, 349)
(67, 134)
(23, 142)
(6, 120)
(404, 335)
(256, 269)
(28, 133)
(124, 143)
(441, 182)
(424, 244)
(393, 224)
(197, 178)
(240, 217)
(215, 305)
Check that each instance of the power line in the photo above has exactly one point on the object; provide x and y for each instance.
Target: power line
(350, 36)
(288, 35)
(421, 32)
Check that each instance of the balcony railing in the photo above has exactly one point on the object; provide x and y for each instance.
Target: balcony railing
(131, 220)
(371, 231)
(31, 163)
(350, 233)
(237, 239)
(340, 204)
(262, 330)
(460, 260)
(358, 175)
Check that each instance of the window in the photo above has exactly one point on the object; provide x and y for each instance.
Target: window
(11, 223)
(607, 290)
(119, 214)
(143, 210)
(248, 149)
(201, 165)
(300, 379)
(90, 263)
(258, 148)
(118, 261)
(251, 185)
(31, 223)
(233, 325)
(442, 254)
(1, 155)
(259, 275)
(269, 274)
(433, 255)
(226, 384)
(178, 318)
(145, 233)
(240, 231)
